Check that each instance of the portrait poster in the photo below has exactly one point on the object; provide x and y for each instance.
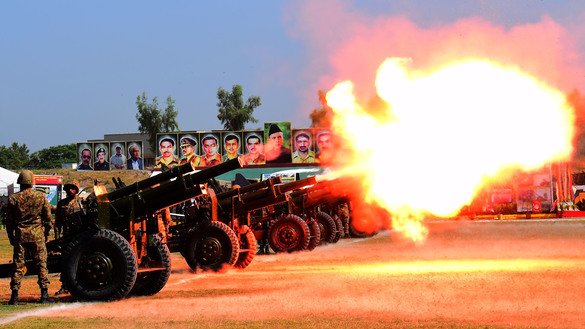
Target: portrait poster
(189, 148)
(324, 146)
(118, 155)
(232, 145)
(277, 146)
(167, 153)
(85, 156)
(254, 147)
(101, 151)
(135, 159)
(534, 192)
(210, 148)
(303, 146)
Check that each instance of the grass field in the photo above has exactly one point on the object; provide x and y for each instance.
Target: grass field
(87, 178)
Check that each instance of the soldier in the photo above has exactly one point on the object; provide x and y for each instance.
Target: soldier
(343, 212)
(28, 225)
(69, 211)
(68, 217)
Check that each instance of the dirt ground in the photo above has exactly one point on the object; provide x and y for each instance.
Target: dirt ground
(468, 274)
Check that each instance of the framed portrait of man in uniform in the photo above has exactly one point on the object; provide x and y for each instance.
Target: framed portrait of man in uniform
(211, 149)
(167, 152)
(189, 148)
(324, 142)
(101, 155)
(232, 145)
(303, 146)
(84, 151)
(254, 146)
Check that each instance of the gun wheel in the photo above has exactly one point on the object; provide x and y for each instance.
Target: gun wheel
(356, 233)
(99, 265)
(289, 233)
(149, 282)
(315, 234)
(327, 227)
(339, 226)
(248, 246)
(212, 247)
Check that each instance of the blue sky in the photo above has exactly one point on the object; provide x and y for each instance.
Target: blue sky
(71, 70)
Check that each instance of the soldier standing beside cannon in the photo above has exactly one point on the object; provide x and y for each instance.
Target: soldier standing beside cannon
(28, 225)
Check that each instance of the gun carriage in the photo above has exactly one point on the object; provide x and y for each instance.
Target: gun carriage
(120, 245)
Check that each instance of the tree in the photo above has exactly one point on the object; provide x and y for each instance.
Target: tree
(233, 113)
(14, 157)
(151, 120)
(53, 157)
(322, 117)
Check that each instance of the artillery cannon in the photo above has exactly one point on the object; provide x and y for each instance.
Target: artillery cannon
(218, 230)
(323, 199)
(120, 247)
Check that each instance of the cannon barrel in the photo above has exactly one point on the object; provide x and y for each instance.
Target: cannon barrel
(260, 195)
(252, 187)
(323, 191)
(287, 187)
(151, 181)
(167, 193)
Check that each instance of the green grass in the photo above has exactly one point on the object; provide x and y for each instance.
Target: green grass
(5, 247)
(306, 322)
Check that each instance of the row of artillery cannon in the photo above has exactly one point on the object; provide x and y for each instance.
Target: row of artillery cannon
(123, 242)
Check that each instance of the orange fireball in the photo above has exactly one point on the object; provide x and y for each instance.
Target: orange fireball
(448, 132)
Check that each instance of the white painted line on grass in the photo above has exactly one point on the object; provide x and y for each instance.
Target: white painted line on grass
(41, 312)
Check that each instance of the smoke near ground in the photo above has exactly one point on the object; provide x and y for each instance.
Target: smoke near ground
(507, 274)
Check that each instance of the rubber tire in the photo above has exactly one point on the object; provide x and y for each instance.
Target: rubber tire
(315, 234)
(327, 227)
(288, 233)
(111, 250)
(354, 233)
(212, 247)
(149, 283)
(247, 241)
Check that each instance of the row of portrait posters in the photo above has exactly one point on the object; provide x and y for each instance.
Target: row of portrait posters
(110, 156)
(277, 143)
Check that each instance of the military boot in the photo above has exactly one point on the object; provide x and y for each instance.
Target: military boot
(44, 296)
(13, 298)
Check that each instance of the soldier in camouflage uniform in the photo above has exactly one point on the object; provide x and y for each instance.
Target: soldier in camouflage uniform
(343, 212)
(28, 224)
(68, 217)
(69, 211)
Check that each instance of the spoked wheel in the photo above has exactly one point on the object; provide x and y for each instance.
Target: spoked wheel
(155, 269)
(327, 227)
(212, 247)
(248, 246)
(315, 234)
(289, 233)
(99, 265)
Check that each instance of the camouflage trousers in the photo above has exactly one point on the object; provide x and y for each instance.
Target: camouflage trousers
(38, 250)
(343, 212)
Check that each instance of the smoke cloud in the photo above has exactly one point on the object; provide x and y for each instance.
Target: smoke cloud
(346, 44)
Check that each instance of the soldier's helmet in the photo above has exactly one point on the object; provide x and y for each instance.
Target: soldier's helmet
(71, 185)
(26, 177)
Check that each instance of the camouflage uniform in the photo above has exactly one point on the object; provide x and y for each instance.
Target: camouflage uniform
(28, 224)
(343, 212)
(68, 215)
